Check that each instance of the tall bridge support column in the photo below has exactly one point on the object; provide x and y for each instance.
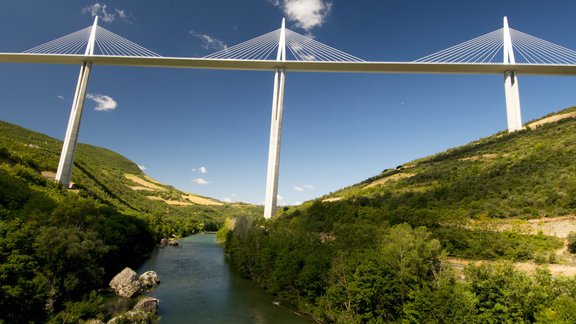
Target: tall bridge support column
(270, 203)
(512, 101)
(271, 200)
(69, 148)
(511, 84)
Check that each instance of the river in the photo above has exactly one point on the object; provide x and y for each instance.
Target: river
(198, 285)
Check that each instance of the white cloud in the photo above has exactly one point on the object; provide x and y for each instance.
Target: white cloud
(304, 187)
(120, 13)
(141, 167)
(209, 42)
(101, 10)
(280, 198)
(104, 103)
(307, 14)
(201, 181)
(60, 97)
(230, 198)
(201, 169)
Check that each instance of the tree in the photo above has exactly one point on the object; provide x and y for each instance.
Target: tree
(379, 283)
(572, 242)
(22, 289)
(71, 261)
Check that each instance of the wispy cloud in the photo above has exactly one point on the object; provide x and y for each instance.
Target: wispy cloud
(201, 181)
(107, 15)
(60, 97)
(103, 102)
(141, 167)
(307, 14)
(209, 42)
(303, 187)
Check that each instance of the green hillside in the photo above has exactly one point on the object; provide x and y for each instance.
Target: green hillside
(384, 250)
(59, 247)
(527, 174)
(112, 179)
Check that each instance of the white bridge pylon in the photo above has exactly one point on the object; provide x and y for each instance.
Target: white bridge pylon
(298, 53)
(107, 43)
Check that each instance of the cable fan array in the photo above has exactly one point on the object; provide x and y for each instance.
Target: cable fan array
(300, 48)
(488, 49)
(69, 44)
(106, 43)
(535, 50)
(481, 49)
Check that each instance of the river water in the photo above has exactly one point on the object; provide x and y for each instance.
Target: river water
(198, 285)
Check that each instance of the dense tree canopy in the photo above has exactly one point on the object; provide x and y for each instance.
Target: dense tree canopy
(59, 247)
(373, 252)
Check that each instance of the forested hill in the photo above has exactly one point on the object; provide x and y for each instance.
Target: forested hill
(112, 179)
(386, 249)
(59, 247)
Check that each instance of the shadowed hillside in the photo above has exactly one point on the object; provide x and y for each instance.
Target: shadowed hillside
(59, 247)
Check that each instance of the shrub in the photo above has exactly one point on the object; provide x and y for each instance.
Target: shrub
(572, 242)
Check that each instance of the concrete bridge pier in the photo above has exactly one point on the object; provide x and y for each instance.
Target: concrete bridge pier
(512, 101)
(69, 148)
(274, 146)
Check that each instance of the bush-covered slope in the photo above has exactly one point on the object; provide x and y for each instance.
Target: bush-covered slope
(58, 247)
(112, 179)
(526, 174)
(372, 252)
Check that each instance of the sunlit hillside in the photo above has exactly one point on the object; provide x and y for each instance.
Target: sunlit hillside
(480, 233)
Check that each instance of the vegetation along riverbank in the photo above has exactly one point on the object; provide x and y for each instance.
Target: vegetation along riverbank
(465, 235)
(60, 248)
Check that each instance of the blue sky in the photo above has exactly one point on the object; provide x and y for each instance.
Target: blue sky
(207, 132)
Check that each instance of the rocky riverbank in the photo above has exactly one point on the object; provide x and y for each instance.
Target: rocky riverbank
(127, 284)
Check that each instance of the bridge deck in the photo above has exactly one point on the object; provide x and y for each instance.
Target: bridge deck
(295, 66)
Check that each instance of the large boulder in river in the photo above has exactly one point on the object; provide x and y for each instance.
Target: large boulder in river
(144, 312)
(126, 283)
(163, 242)
(173, 242)
(148, 305)
(134, 317)
(149, 279)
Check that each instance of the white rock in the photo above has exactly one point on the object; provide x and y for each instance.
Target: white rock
(149, 279)
(126, 283)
